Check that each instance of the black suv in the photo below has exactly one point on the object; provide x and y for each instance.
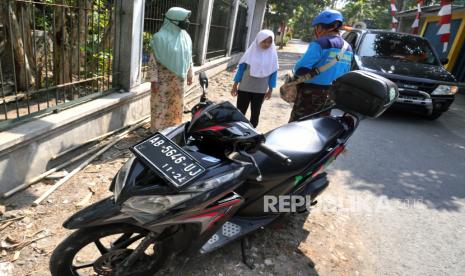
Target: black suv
(410, 61)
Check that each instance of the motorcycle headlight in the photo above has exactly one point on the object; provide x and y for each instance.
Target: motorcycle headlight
(121, 177)
(215, 182)
(445, 90)
(155, 204)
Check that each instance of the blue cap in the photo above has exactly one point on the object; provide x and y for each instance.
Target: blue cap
(327, 17)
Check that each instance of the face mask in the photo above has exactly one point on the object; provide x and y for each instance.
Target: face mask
(183, 25)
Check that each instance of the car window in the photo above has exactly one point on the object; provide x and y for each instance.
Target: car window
(397, 46)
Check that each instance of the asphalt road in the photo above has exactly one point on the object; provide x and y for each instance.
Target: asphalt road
(404, 187)
(402, 183)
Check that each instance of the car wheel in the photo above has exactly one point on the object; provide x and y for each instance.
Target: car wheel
(434, 115)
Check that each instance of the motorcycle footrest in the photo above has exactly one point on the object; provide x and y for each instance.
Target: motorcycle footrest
(233, 229)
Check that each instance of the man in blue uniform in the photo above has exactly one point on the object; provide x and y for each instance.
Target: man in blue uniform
(313, 94)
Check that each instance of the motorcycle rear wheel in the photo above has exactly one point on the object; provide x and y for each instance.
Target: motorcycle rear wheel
(65, 260)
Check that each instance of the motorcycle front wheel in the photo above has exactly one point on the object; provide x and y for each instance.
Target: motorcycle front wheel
(101, 251)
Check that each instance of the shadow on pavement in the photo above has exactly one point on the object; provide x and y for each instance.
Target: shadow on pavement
(408, 157)
(273, 249)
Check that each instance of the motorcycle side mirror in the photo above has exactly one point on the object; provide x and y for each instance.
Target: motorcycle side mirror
(203, 80)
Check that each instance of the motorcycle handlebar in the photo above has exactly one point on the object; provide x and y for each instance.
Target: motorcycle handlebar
(275, 154)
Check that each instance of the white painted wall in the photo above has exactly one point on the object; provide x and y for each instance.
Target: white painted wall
(250, 18)
(258, 15)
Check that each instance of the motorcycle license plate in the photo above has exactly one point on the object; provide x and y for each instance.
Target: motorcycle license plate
(168, 160)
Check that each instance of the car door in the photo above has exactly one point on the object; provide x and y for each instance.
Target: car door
(351, 38)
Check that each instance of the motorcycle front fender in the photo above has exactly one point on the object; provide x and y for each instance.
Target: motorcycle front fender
(99, 213)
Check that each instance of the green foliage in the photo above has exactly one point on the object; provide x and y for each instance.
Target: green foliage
(147, 38)
(298, 14)
(284, 10)
(304, 16)
(102, 59)
(376, 12)
(287, 37)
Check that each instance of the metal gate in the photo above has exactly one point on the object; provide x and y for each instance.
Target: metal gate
(53, 54)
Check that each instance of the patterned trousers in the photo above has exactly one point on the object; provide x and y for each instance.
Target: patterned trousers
(167, 103)
(310, 99)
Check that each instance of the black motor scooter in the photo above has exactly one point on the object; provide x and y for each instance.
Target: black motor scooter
(200, 185)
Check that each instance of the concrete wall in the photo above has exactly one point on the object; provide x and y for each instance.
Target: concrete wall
(26, 150)
(250, 19)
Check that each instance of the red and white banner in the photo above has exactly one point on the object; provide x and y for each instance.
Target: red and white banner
(416, 23)
(394, 22)
(444, 23)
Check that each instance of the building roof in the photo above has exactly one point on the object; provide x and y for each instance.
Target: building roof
(427, 11)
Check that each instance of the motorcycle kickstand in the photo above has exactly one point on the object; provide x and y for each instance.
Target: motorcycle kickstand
(245, 245)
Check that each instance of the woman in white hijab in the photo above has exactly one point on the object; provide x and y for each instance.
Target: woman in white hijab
(256, 75)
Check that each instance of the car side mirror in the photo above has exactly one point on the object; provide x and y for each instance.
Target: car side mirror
(444, 61)
(203, 80)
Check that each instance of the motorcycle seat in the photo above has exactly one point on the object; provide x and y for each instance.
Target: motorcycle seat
(301, 141)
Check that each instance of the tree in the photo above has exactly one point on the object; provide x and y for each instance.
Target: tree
(78, 34)
(61, 46)
(298, 14)
(17, 21)
(304, 15)
(376, 12)
(283, 12)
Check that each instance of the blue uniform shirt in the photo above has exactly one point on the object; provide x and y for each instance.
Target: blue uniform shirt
(319, 53)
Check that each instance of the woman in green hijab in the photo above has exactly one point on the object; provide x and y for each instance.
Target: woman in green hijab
(169, 67)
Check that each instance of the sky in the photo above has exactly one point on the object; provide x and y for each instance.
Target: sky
(340, 4)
